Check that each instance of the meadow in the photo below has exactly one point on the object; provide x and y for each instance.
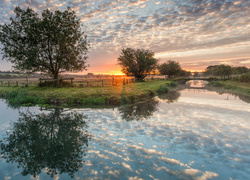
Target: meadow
(121, 92)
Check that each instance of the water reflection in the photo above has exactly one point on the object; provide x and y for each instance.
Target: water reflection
(221, 91)
(55, 142)
(139, 111)
(200, 84)
(171, 96)
(146, 109)
(196, 83)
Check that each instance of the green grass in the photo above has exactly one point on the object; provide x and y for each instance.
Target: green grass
(75, 96)
(232, 86)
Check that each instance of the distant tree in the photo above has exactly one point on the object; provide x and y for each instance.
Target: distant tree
(170, 68)
(51, 43)
(137, 62)
(223, 70)
(196, 74)
(209, 71)
(184, 73)
(240, 70)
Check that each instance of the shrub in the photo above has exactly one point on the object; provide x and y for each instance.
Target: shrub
(162, 89)
(212, 79)
(215, 84)
(94, 101)
(17, 98)
(173, 84)
(245, 78)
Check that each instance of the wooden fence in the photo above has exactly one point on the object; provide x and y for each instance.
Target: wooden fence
(71, 82)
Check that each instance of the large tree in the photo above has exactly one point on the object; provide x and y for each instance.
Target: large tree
(137, 62)
(52, 42)
(170, 68)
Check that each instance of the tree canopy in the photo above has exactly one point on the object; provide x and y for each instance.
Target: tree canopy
(137, 62)
(51, 43)
(170, 68)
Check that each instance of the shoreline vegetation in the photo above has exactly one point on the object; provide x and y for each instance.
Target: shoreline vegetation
(230, 86)
(105, 96)
(87, 96)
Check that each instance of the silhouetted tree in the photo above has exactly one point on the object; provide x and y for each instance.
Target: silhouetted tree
(138, 63)
(51, 43)
(56, 141)
(223, 70)
(209, 71)
(184, 73)
(170, 68)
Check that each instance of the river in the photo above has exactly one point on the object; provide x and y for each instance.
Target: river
(193, 133)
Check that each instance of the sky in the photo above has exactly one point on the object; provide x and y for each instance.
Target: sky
(196, 33)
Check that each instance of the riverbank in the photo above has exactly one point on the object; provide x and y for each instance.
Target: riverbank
(231, 86)
(86, 96)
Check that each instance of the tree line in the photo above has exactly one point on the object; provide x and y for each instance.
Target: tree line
(140, 63)
(225, 70)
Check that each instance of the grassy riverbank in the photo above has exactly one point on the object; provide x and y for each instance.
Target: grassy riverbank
(75, 96)
(232, 86)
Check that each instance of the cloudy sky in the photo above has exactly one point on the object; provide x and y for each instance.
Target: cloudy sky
(196, 33)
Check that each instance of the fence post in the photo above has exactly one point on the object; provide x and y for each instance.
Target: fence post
(9, 83)
(17, 83)
(113, 81)
(71, 81)
(102, 83)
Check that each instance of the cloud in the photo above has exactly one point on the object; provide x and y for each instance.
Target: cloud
(174, 26)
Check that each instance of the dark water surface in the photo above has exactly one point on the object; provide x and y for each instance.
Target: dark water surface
(190, 134)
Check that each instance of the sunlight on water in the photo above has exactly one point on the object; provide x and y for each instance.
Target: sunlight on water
(191, 134)
(196, 83)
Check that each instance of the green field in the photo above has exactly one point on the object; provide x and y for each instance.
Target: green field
(76, 96)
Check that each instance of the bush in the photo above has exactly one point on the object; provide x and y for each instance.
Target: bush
(212, 79)
(162, 89)
(173, 84)
(62, 83)
(215, 84)
(94, 101)
(245, 78)
(17, 98)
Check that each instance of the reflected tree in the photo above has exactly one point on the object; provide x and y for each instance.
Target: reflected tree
(139, 111)
(170, 97)
(55, 142)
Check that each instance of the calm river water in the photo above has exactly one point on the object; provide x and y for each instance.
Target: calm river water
(189, 134)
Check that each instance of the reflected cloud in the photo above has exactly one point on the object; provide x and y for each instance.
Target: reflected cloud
(203, 136)
(55, 142)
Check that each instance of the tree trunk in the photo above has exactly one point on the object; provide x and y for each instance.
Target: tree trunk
(56, 82)
(27, 81)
